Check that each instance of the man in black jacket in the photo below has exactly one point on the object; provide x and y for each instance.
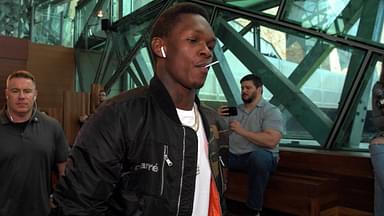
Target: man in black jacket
(149, 151)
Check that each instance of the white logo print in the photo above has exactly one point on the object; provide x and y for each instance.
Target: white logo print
(147, 166)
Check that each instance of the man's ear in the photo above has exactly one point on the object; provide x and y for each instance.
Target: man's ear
(158, 47)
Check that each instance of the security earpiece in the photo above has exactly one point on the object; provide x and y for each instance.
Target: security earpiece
(163, 52)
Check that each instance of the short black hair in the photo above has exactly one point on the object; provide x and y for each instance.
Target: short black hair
(171, 16)
(255, 79)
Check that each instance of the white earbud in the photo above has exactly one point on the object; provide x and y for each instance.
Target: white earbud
(163, 52)
(6, 97)
(10, 116)
(34, 98)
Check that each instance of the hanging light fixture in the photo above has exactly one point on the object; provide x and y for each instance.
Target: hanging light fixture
(100, 14)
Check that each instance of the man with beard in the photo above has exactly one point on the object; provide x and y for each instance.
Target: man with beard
(253, 143)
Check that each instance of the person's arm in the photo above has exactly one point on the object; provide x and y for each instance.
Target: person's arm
(61, 150)
(61, 168)
(270, 134)
(95, 166)
(267, 138)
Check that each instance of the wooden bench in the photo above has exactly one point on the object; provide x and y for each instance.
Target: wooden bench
(298, 194)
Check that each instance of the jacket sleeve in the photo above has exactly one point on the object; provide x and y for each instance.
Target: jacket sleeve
(94, 167)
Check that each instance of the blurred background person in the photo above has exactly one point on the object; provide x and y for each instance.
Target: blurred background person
(376, 147)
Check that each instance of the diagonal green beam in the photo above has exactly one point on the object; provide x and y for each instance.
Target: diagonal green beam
(322, 49)
(370, 28)
(105, 58)
(255, 5)
(309, 65)
(287, 93)
(134, 77)
(350, 14)
(142, 68)
(126, 61)
(91, 19)
(225, 77)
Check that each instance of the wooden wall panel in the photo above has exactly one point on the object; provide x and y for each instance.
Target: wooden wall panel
(353, 171)
(75, 104)
(54, 112)
(13, 56)
(54, 69)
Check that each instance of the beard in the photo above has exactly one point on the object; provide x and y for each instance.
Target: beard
(249, 99)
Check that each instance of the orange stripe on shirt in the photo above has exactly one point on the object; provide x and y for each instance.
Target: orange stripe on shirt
(214, 200)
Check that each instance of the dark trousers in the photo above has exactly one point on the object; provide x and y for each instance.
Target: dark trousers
(259, 165)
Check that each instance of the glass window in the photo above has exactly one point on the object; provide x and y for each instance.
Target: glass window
(360, 19)
(359, 127)
(53, 24)
(303, 75)
(132, 5)
(268, 7)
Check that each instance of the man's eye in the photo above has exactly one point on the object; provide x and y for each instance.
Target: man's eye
(192, 40)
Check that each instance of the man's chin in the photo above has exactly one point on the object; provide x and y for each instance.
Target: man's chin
(246, 101)
(23, 111)
(199, 85)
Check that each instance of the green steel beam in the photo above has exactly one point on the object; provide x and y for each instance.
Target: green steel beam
(368, 28)
(350, 14)
(105, 58)
(287, 93)
(129, 57)
(348, 106)
(242, 32)
(142, 68)
(255, 5)
(91, 19)
(134, 77)
(309, 64)
(322, 49)
(225, 77)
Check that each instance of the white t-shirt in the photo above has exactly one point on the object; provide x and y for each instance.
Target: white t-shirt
(203, 172)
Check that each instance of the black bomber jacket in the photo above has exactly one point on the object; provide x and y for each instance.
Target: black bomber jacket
(134, 157)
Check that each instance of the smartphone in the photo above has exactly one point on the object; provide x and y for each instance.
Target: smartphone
(232, 111)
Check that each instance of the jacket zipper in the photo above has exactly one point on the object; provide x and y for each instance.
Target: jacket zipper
(182, 174)
(169, 163)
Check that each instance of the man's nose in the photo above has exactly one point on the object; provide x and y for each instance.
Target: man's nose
(206, 51)
(21, 94)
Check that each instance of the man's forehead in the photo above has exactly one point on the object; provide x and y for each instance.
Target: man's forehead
(192, 21)
(247, 83)
(20, 81)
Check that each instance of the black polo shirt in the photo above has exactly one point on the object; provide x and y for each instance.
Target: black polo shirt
(29, 153)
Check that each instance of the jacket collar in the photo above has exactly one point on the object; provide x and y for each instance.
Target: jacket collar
(162, 97)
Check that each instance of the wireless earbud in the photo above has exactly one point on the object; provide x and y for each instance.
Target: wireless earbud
(163, 52)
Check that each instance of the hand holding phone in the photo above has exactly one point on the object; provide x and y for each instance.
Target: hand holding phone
(231, 111)
(227, 110)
